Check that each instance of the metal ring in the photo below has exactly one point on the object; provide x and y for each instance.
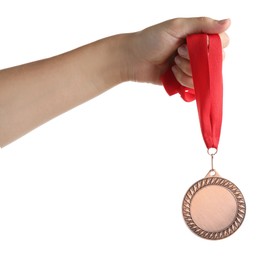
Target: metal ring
(212, 151)
(212, 173)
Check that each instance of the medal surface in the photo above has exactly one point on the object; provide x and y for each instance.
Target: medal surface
(213, 208)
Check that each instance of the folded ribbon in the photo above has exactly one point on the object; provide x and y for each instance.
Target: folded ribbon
(205, 53)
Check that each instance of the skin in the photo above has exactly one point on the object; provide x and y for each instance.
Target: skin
(33, 93)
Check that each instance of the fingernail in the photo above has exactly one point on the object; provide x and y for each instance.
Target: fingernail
(223, 21)
(173, 68)
(182, 50)
(177, 60)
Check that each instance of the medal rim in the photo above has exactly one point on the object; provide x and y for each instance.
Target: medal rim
(233, 189)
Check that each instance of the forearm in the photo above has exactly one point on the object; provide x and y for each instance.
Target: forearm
(34, 93)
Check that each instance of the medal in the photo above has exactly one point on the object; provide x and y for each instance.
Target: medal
(213, 207)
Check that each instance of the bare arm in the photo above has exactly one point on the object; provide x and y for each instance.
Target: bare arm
(34, 93)
(31, 94)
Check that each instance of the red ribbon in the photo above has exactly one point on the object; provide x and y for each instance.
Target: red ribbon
(205, 53)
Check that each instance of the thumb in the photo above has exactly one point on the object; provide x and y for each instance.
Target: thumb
(186, 26)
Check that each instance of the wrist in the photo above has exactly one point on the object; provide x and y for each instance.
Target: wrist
(111, 66)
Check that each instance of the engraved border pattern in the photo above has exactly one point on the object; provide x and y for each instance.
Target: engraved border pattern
(241, 211)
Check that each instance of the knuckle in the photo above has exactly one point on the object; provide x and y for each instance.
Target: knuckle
(203, 19)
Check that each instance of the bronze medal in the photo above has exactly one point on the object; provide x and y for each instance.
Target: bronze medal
(213, 208)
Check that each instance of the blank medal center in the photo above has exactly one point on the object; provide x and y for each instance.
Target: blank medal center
(213, 208)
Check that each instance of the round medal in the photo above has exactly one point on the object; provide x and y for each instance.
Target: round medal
(213, 207)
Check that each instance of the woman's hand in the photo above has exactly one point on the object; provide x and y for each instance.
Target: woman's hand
(156, 48)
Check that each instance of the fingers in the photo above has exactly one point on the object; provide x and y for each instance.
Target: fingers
(180, 28)
(182, 77)
(182, 68)
(183, 51)
(184, 65)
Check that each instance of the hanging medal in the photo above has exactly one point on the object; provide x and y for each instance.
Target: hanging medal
(213, 207)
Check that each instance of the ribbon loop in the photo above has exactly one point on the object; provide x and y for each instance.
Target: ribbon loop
(205, 53)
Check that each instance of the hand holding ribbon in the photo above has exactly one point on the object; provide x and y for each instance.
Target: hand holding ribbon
(205, 53)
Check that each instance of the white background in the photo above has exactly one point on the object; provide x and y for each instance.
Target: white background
(106, 180)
